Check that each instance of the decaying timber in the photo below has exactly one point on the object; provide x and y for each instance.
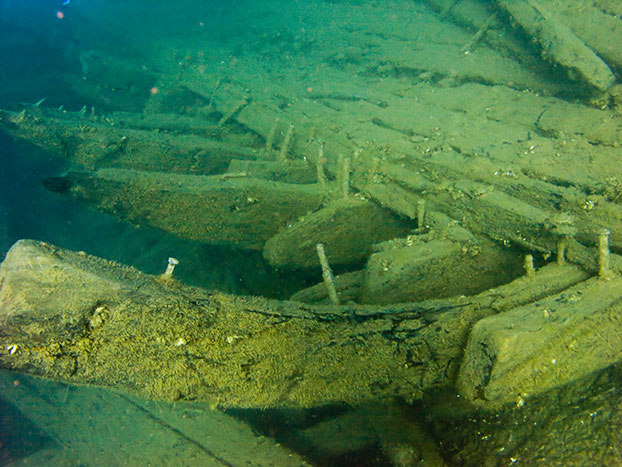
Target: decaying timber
(445, 262)
(577, 36)
(467, 175)
(531, 349)
(471, 124)
(343, 226)
(558, 42)
(436, 148)
(348, 287)
(441, 260)
(158, 338)
(598, 28)
(127, 141)
(278, 171)
(229, 209)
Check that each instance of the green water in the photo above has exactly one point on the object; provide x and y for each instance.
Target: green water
(462, 140)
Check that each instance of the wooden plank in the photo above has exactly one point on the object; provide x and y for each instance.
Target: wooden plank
(228, 209)
(547, 344)
(343, 226)
(100, 143)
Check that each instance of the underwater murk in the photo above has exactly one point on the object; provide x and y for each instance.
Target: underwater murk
(310, 232)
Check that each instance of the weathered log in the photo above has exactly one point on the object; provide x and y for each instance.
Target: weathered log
(600, 30)
(585, 172)
(567, 120)
(101, 143)
(278, 171)
(445, 133)
(440, 260)
(81, 319)
(394, 197)
(439, 174)
(163, 122)
(487, 209)
(559, 43)
(220, 209)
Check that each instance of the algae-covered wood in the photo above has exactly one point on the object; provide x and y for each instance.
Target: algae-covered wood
(222, 209)
(131, 141)
(80, 319)
(428, 267)
(560, 43)
(546, 344)
(95, 322)
(343, 226)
